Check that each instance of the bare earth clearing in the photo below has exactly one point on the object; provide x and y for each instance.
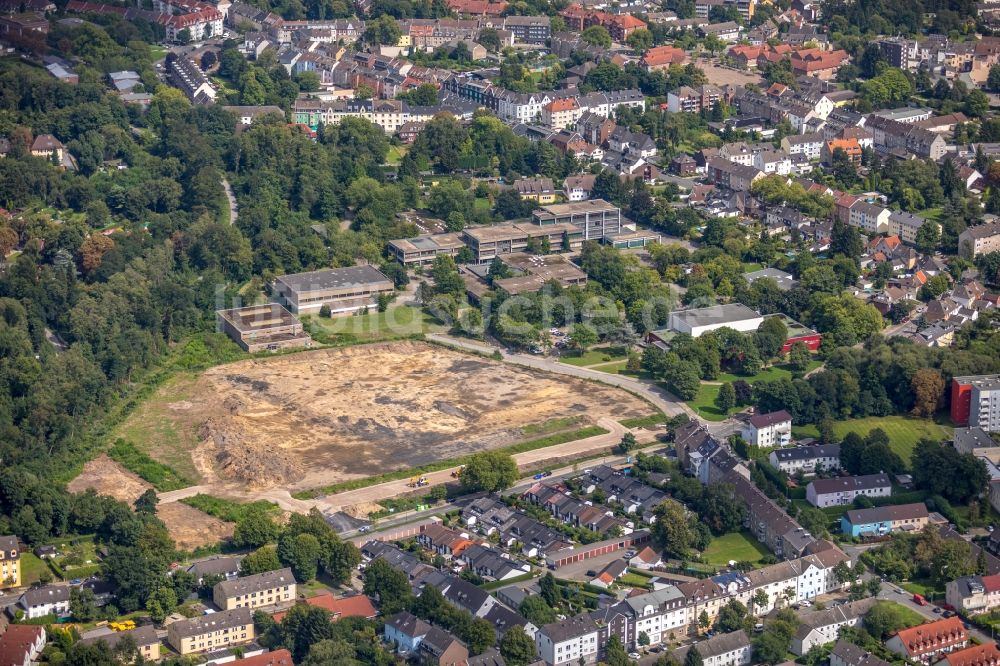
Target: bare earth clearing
(317, 418)
(189, 527)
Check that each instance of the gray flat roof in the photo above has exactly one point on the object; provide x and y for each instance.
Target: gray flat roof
(715, 314)
(332, 278)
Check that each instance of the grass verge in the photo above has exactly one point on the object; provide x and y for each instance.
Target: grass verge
(645, 421)
(131, 458)
(530, 445)
(228, 510)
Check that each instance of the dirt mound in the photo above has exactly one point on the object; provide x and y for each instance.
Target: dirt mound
(109, 478)
(246, 459)
(191, 528)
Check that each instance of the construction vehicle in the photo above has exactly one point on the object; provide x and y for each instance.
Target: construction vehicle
(125, 625)
(457, 472)
(418, 481)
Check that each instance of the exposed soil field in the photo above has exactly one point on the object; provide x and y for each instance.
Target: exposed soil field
(109, 478)
(317, 418)
(189, 527)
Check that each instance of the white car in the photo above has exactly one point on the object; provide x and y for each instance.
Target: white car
(633, 655)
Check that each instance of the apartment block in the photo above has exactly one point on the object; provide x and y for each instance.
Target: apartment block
(215, 631)
(271, 588)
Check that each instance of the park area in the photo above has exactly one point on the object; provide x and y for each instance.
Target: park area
(904, 432)
(319, 418)
(704, 402)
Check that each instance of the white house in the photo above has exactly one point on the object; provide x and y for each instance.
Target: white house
(842, 490)
(732, 649)
(822, 627)
(767, 430)
(569, 641)
(806, 459)
(47, 600)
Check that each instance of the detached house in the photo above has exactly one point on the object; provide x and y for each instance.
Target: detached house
(767, 430)
(46, 600)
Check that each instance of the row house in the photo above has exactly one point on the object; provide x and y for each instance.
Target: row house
(732, 649)
(444, 541)
(823, 626)
(808, 145)
(390, 115)
(557, 501)
(634, 496)
(903, 138)
(492, 564)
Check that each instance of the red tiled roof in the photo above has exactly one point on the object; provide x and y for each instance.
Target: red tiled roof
(275, 658)
(933, 636)
(664, 55)
(355, 606)
(977, 655)
(16, 642)
(991, 583)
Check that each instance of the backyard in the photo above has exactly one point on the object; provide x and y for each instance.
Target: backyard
(738, 546)
(904, 432)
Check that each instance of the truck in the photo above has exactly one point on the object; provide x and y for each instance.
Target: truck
(919, 600)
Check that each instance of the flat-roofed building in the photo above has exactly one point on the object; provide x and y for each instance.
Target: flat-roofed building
(487, 243)
(342, 289)
(214, 631)
(975, 401)
(595, 218)
(536, 270)
(632, 239)
(270, 588)
(698, 321)
(422, 250)
(263, 327)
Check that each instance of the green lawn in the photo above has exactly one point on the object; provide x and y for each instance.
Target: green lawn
(750, 267)
(595, 356)
(395, 155)
(738, 546)
(931, 213)
(158, 52)
(31, 568)
(704, 403)
(922, 588)
(483, 204)
(904, 432)
(399, 321)
(768, 374)
(910, 616)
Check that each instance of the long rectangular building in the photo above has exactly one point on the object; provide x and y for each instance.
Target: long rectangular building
(595, 218)
(270, 588)
(487, 243)
(259, 327)
(215, 631)
(342, 289)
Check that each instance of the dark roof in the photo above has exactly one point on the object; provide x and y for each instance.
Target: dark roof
(213, 622)
(256, 583)
(573, 627)
(216, 566)
(48, 594)
(845, 483)
(880, 514)
(765, 420)
(144, 635)
(808, 452)
(852, 655)
(332, 278)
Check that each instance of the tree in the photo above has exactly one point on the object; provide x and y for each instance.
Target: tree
(732, 617)
(260, 561)
(684, 378)
(82, 604)
(490, 40)
(382, 30)
(489, 471)
(719, 509)
(726, 399)
(627, 443)
(927, 238)
(303, 627)
(146, 502)
(300, 552)
(583, 336)
(537, 611)
(693, 657)
(161, 603)
(928, 392)
(615, 654)
(255, 528)
(183, 36)
(799, 356)
(549, 589)
(640, 40)
(643, 639)
(516, 647)
(977, 104)
(759, 600)
(597, 35)
(672, 529)
(388, 585)
(885, 619)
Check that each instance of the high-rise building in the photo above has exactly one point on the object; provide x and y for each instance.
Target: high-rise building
(975, 402)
